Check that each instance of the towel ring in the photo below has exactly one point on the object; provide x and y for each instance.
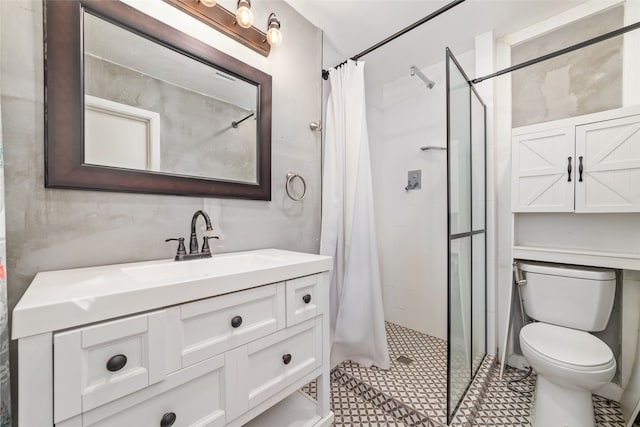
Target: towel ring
(290, 177)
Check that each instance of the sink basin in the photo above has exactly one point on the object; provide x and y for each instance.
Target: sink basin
(201, 268)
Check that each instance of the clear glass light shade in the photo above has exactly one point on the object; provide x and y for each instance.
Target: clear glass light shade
(209, 3)
(274, 37)
(244, 16)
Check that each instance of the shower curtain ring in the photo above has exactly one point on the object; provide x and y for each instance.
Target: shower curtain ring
(290, 177)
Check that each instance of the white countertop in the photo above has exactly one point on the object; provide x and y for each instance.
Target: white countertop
(64, 299)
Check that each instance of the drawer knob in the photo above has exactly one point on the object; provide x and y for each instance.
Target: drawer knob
(236, 321)
(116, 362)
(286, 359)
(168, 419)
(306, 299)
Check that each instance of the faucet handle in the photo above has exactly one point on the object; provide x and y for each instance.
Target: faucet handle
(205, 244)
(181, 249)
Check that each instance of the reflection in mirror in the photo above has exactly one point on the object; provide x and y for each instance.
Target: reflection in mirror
(120, 135)
(144, 112)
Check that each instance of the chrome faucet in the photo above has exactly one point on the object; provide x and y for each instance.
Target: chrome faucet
(181, 254)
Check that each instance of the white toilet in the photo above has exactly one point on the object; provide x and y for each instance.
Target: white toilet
(567, 302)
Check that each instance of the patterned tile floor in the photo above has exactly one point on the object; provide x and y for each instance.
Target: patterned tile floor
(421, 384)
(505, 408)
(414, 394)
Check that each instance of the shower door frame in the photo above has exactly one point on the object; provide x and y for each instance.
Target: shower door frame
(472, 91)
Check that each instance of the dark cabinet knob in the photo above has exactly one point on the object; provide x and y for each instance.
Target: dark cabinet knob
(116, 362)
(306, 299)
(286, 359)
(168, 419)
(236, 321)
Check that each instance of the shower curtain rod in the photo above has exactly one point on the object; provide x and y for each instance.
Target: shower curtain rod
(443, 9)
(235, 124)
(576, 46)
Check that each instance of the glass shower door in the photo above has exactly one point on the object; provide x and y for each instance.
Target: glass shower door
(466, 219)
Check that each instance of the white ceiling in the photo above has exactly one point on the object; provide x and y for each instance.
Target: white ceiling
(354, 25)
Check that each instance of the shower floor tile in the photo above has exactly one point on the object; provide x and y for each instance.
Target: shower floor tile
(422, 384)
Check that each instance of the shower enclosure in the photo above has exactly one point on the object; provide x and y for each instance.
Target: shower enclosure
(432, 258)
(466, 189)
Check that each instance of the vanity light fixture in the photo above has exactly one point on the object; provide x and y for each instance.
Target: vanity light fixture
(238, 25)
(244, 16)
(274, 36)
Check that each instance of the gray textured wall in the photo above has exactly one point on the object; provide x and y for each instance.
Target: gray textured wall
(581, 82)
(49, 229)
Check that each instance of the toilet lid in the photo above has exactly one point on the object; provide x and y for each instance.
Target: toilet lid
(567, 346)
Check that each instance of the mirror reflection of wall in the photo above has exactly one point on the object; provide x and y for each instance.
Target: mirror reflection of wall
(195, 110)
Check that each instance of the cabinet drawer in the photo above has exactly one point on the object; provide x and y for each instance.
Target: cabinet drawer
(276, 361)
(303, 299)
(194, 395)
(96, 364)
(206, 328)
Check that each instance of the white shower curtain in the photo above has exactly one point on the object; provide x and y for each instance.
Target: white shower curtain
(348, 227)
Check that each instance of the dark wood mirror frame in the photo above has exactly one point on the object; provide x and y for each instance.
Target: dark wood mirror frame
(64, 106)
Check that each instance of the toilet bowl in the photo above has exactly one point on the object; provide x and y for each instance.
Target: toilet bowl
(566, 303)
(570, 364)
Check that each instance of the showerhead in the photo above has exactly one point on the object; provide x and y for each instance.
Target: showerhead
(416, 72)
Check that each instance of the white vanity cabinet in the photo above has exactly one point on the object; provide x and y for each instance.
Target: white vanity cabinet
(212, 347)
(588, 163)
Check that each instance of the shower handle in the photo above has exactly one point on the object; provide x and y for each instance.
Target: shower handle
(569, 169)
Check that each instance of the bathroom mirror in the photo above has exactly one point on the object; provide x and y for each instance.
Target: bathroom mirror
(135, 105)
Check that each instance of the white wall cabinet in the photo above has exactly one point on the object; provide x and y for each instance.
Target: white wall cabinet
(584, 164)
(222, 360)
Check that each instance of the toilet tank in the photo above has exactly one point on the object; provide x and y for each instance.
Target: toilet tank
(570, 296)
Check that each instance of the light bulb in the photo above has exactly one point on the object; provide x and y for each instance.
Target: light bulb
(244, 16)
(274, 37)
(208, 3)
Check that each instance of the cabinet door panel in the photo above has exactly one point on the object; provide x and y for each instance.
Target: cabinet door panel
(540, 177)
(610, 152)
(83, 377)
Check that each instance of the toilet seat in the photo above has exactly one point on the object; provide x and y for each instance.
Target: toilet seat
(565, 347)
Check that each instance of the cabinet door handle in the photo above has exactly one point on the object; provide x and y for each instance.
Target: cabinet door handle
(236, 321)
(117, 362)
(306, 299)
(168, 419)
(286, 359)
(569, 169)
(580, 169)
